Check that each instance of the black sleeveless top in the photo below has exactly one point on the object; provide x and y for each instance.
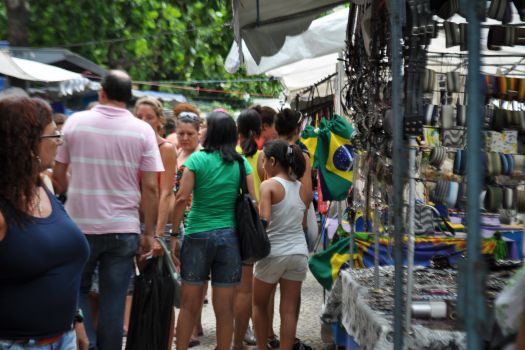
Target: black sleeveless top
(40, 268)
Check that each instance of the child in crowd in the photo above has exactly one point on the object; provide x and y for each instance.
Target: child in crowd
(283, 201)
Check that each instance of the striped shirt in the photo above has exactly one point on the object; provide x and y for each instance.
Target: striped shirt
(106, 148)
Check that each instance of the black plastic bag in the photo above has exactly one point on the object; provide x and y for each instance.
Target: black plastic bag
(253, 239)
(155, 293)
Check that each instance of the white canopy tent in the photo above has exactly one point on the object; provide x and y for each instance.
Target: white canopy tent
(304, 59)
(324, 36)
(39, 72)
(263, 25)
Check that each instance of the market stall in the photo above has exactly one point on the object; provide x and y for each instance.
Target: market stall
(420, 82)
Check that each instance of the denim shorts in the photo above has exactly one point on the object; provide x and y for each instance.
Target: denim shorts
(67, 342)
(216, 252)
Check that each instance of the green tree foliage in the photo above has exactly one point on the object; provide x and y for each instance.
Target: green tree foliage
(152, 40)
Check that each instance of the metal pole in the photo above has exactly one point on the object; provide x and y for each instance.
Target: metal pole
(473, 271)
(412, 144)
(376, 247)
(396, 9)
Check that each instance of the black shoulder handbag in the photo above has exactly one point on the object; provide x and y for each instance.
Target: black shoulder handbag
(253, 241)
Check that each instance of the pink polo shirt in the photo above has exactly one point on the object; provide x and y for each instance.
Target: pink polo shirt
(106, 148)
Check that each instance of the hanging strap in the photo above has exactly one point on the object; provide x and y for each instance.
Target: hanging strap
(242, 180)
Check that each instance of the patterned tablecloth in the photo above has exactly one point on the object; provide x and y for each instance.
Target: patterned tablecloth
(367, 315)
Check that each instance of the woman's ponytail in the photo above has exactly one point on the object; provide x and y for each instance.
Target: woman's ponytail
(249, 126)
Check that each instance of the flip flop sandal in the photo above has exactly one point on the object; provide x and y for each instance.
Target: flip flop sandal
(193, 343)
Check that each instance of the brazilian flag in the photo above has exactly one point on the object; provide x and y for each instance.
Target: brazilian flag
(309, 139)
(334, 157)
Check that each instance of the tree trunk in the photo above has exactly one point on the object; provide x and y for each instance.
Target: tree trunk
(17, 17)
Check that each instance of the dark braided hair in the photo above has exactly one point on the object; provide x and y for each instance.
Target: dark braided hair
(290, 157)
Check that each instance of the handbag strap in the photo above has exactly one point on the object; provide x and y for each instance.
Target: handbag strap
(166, 257)
(242, 180)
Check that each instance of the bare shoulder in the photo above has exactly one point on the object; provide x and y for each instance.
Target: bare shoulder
(268, 185)
(167, 149)
(172, 138)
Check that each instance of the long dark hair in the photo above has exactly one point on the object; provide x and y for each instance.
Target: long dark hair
(249, 124)
(221, 136)
(22, 121)
(290, 157)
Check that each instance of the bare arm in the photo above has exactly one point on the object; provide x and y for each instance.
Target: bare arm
(265, 204)
(60, 179)
(3, 227)
(150, 195)
(169, 159)
(181, 198)
(306, 181)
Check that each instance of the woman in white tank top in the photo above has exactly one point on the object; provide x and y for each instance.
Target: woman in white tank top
(282, 208)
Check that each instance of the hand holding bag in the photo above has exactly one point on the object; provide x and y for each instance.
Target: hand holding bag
(253, 239)
(152, 312)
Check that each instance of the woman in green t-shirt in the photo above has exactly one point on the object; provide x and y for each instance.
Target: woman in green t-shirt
(210, 245)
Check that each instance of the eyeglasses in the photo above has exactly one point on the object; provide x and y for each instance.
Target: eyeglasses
(59, 136)
(189, 116)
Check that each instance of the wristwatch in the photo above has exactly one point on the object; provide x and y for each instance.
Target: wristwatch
(79, 317)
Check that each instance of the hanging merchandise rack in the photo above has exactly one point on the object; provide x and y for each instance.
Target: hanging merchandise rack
(415, 106)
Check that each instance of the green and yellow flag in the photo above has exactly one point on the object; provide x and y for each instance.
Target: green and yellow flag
(335, 157)
(309, 139)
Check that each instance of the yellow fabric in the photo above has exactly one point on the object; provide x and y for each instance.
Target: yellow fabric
(311, 144)
(253, 163)
(337, 141)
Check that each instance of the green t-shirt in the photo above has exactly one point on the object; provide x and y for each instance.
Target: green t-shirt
(214, 193)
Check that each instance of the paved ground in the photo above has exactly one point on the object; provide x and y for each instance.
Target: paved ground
(308, 330)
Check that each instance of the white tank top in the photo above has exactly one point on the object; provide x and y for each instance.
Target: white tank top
(285, 230)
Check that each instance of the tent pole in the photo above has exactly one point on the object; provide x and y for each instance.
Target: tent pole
(397, 18)
(472, 271)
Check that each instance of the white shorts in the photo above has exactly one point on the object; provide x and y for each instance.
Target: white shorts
(288, 267)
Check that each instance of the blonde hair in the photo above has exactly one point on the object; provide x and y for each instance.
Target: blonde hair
(155, 104)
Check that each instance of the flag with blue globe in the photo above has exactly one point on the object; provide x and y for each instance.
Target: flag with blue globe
(334, 157)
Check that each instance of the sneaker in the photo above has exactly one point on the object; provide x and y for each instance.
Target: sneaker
(273, 342)
(299, 345)
(249, 337)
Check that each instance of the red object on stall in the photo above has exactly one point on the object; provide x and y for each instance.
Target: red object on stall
(322, 206)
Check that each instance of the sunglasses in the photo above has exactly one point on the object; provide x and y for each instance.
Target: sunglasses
(59, 136)
(189, 116)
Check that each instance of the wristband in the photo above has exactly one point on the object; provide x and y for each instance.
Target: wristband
(174, 234)
(79, 317)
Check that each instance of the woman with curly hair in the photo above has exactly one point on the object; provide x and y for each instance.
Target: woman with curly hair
(42, 251)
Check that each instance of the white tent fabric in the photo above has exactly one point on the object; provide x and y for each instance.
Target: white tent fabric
(302, 74)
(263, 25)
(324, 36)
(70, 82)
(32, 70)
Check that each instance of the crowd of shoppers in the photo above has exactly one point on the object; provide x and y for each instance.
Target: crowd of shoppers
(128, 182)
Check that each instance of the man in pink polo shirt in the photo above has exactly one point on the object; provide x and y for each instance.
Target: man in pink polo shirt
(105, 149)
